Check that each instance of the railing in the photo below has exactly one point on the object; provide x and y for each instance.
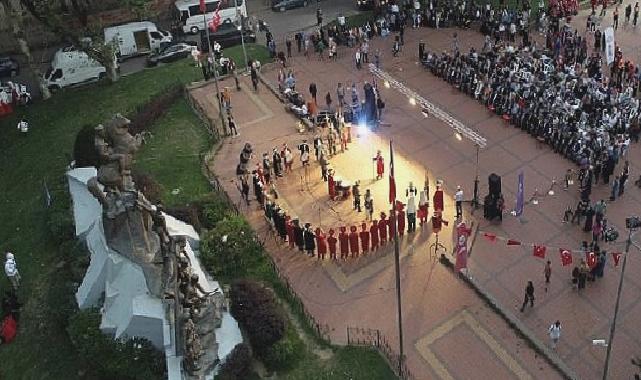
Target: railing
(357, 336)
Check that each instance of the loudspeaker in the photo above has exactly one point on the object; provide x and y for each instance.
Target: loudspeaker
(494, 183)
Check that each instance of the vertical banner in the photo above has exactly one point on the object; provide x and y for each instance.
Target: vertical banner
(519, 196)
(609, 44)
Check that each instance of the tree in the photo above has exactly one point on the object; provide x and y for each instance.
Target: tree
(15, 14)
(69, 20)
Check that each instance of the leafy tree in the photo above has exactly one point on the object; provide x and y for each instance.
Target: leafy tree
(237, 365)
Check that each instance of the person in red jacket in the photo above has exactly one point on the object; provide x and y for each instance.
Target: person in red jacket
(353, 241)
(400, 215)
(331, 185)
(373, 234)
(343, 241)
(364, 235)
(382, 229)
(321, 245)
(331, 243)
(289, 226)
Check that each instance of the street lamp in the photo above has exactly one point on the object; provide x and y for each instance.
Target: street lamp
(631, 223)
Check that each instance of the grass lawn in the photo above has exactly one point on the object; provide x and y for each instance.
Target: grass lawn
(42, 350)
(172, 156)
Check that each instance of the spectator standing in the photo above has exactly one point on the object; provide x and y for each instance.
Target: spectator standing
(529, 296)
(11, 270)
(547, 272)
(555, 333)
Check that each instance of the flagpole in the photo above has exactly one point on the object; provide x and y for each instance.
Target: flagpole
(397, 265)
(211, 54)
(242, 32)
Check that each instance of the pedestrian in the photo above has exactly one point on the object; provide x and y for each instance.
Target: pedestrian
(244, 189)
(254, 76)
(319, 17)
(529, 296)
(369, 204)
(396, 48)
(312, 91)
(411, 213)
(232, 127)
(547, 272)
(11, 270)
(377, 58)
(309, 240)
(583, 275)
(555, 333)
(636, 14)
(299, 41)
(615, 16)
(357, 58)
(23, 125)
(328, 101)
(288, 44)
(458, 196)
(628, 12)
(340, 94)
(356, 194)
(615, 188)
(380, 106)
(567, 214)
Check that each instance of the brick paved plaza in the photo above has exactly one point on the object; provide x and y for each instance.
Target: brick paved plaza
(450, 332)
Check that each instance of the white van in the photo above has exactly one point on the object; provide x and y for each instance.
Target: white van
(136, 38)
(69, 67)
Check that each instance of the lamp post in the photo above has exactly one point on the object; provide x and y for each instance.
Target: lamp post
(631, 224)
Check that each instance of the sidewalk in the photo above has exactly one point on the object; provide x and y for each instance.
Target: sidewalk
(448, 329)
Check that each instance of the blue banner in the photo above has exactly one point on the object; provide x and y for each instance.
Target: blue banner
(519, 196)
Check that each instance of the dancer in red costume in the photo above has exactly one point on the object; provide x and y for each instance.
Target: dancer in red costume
(331, 185)
(364, 235)
(321, 245)
(353, 241)
(400, 215)
(343, 241)
(382, 229)
(380, 165)
(331, 243)
(373, 233)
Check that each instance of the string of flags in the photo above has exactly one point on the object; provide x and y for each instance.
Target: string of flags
(540, 251)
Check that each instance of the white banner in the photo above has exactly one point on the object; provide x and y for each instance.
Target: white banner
(609, 45)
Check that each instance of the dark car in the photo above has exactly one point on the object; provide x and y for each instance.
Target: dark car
(171, 53)
(228, 35)
(9, 67)
(283, 5)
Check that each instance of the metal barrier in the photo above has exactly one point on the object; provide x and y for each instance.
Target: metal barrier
(357, 336)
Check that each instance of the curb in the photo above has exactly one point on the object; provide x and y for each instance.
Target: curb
(519, 327)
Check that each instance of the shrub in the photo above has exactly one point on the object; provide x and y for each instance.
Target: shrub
(285, 353)
(59, 217)
(213, 209)
(254, 306)
(229, 249)
(131, 359)
(84, 148)
(147, 185)
(145, 115)
(237, 365)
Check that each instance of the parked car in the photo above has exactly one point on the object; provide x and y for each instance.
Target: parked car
(283, 5)
(171, 53)
(9, 67)
(228, 35)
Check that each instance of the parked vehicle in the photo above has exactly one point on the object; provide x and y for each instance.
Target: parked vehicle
(283, 5)
(171, 53)
(370, 4)
(9, 67)
(189, 17)
(228, 34)
(70, 67)
(136, 38)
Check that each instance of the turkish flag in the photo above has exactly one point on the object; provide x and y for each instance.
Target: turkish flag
(616, 256)
(513, 242)
(215, 21)
(566, 257)
(202, 6)
(490, 236)
(539, 251)
(590, 257)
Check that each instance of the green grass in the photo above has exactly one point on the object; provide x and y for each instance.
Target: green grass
(42, 349)
(172, 156)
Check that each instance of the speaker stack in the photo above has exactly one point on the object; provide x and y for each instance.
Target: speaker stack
(491, 208)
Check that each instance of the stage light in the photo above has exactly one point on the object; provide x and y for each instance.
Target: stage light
(413, 101)
(458, 136)
(387, 85)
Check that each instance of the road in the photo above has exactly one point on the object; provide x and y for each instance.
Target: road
(280, 23)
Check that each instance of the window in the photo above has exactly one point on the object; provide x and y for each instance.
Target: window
(155, 35)
(211, 7)
(57, 74)
(194, 10)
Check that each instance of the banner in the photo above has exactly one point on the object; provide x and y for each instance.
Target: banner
(609, 44)
(462, 232)
(519, 196)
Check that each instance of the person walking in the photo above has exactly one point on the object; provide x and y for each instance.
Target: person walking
(555, 333)
(11, 270)
(288, 44)
(636, 14)
(458, 196)
(313, 91)
(615, 16)
(340, 94)
(328, 101)
(23, 126)
(628, 12)
(232, 127)
(529, 296)
(615, 188)
(547, 272)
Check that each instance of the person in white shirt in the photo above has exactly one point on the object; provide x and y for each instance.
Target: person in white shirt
(11, 270)
(555, 333)
(458, 197)
(23, 126)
